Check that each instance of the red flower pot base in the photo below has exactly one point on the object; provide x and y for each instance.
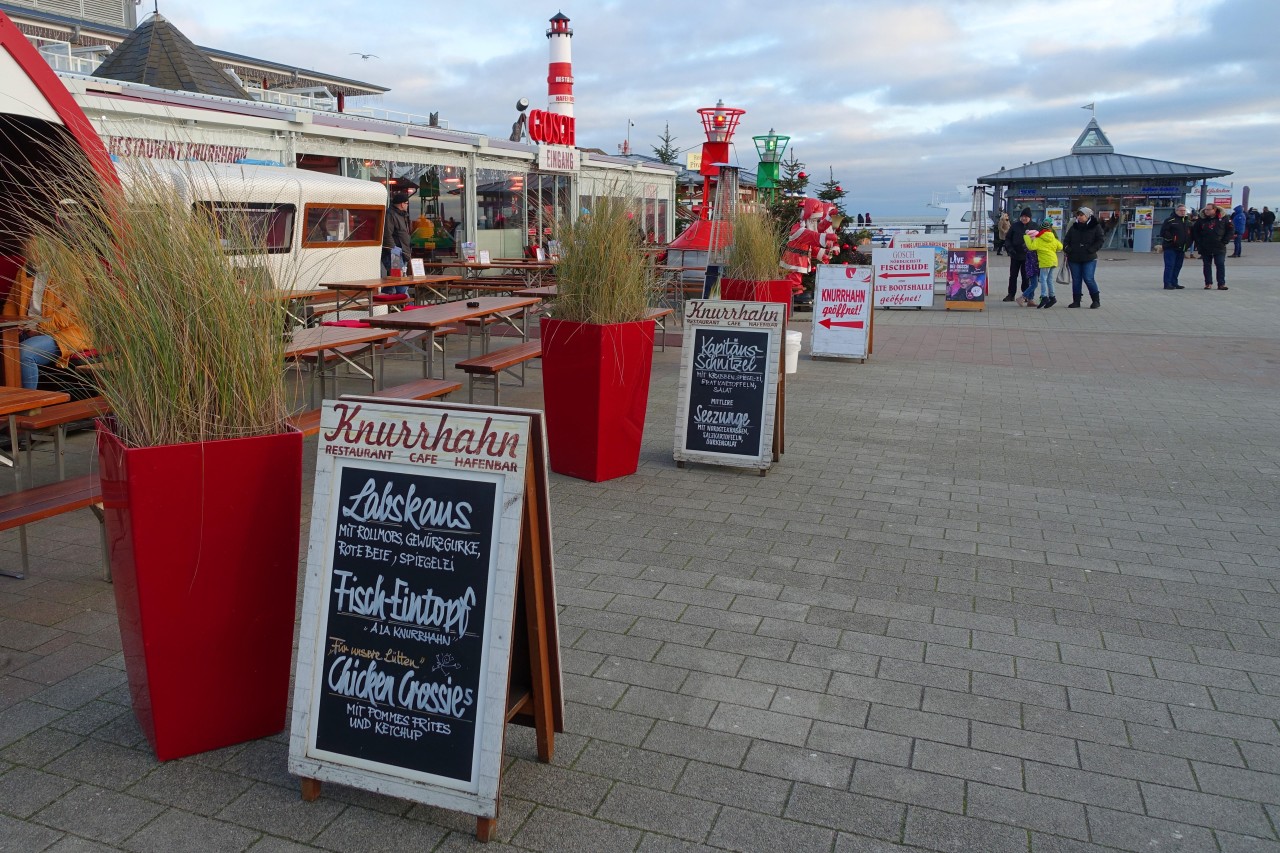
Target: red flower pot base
(595, 383)
(746, 290)
(203, 543)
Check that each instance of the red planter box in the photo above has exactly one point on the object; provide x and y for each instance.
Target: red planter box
(203, 545)
(595, 382)
(746, 290)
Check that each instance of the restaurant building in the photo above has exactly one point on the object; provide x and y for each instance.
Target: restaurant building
(151, 92)
(1118, 187)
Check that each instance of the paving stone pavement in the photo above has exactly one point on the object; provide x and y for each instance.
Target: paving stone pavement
(1015, 586)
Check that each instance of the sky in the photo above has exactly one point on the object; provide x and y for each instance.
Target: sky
(898, 101)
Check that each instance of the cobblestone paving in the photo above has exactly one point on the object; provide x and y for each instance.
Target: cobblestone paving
(1015, 586)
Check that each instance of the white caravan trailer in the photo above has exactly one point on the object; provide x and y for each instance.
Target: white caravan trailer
(313, 227)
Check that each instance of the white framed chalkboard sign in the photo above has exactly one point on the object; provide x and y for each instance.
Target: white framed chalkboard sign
(403, 657)
(729, 374)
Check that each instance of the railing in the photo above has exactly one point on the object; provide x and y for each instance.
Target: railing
(396, 116)
(61, 56)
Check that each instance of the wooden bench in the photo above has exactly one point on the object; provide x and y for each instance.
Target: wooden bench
(492, 365)
(28, 506)
(659, 317)
(52, 421)
(308, 423)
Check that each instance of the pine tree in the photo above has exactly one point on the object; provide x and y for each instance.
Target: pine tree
(667, 151)
(832, 192)
(792, 185)
(849, 233)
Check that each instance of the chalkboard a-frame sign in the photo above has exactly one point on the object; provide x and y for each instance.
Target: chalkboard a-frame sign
(419, 531)
(729, 383)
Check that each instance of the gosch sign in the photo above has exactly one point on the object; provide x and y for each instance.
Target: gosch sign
(551, 128)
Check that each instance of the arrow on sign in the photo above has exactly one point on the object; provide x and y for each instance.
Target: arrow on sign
(905, 274)
(856, 324)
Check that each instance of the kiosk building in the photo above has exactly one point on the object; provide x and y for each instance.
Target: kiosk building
(1125, 191)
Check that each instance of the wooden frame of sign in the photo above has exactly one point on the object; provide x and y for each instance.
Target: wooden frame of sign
(728, 408)
(844, 312)
(428, 616)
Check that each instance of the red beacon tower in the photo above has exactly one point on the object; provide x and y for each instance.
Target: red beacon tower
(719, 123)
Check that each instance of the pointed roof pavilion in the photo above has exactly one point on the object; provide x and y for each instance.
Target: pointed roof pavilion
(158, 54)
(1094, 158)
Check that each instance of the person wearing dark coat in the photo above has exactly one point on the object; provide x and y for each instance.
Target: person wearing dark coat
(1081, 245)
(1237, 228)
(1212, 233)
(397, 232)
(1017, 254)
(1175, 236)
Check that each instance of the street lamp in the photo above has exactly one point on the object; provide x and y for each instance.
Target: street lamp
(770, 147)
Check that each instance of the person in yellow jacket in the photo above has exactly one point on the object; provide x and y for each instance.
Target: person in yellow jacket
(1046, 245)
(54, 334)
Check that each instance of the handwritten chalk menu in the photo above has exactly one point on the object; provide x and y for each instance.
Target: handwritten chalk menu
(729, 375)
(406, 638)
(903, 277)
(842, 311)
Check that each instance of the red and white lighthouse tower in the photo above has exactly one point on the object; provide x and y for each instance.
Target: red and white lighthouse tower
(560, 68)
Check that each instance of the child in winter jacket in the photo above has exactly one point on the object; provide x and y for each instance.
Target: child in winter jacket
(1046, 245)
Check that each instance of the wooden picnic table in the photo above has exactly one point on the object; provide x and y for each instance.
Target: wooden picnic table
(533, 272)
(432, 317)
(319, 340)
(437, 285)
(545, 292)
(20, 401)
(366, 289)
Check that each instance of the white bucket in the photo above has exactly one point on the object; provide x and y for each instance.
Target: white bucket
(794, 341)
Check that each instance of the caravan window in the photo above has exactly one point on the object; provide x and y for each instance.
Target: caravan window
(348, 225)
(248, 228)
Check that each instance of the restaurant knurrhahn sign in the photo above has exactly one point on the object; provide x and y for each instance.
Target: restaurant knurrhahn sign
(729, 382)
(407, 611)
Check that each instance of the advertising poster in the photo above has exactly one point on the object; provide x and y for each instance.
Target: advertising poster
(967, 279)
(1055, 213)
(729, 374)
(903, 277)
(843, 297)
(1143, 217)
(406, 631)
(940, 245)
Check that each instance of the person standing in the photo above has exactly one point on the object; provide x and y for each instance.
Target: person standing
(397, 233)
(1268, 222)
(1002, 232)
(1175, 234)
(1237, 227)
(1252, 224)
(1083, 240)
(1046, 245)
(1018, 254)
(1211, 233)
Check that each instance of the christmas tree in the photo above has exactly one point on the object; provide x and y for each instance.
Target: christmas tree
(667, 151)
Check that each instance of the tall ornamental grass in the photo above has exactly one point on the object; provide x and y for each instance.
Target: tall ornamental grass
(756, 248)
(191, 346)
(603, 276)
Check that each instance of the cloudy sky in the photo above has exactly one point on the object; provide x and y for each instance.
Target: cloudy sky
(900, 100)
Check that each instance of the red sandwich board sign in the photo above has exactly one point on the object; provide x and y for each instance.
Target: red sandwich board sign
(843, 301)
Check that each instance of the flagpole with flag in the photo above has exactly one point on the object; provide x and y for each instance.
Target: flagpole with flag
(1090, 107)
